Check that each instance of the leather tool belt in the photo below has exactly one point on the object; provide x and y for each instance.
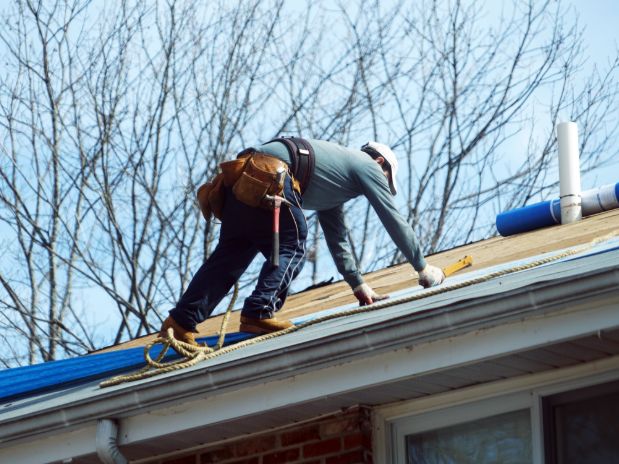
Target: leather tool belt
(252, 176)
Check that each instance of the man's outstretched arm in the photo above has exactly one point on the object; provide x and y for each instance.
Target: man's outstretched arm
(334, 227)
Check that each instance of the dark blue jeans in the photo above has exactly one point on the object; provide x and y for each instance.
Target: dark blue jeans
(246, 231)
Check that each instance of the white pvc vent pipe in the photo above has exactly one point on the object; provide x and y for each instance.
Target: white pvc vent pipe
(600, 199)
(569, 172)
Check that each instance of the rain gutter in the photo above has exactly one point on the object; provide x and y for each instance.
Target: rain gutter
(431, 319)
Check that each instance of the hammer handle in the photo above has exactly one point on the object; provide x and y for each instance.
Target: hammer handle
(275, 245)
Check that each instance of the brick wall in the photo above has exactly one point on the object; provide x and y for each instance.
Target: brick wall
(344, 438)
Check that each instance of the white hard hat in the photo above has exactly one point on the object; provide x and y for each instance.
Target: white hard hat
(380, 149)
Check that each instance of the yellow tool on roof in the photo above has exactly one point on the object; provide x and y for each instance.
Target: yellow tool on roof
(458, 265)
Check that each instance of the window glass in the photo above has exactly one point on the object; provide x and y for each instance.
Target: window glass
(501, 439)
(585, 430)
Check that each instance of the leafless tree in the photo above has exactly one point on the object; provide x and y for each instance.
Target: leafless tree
(112, 115)
(478, 131)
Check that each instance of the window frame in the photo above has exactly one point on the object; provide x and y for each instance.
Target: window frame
(456, 415)
(549, 402)
(392, 422)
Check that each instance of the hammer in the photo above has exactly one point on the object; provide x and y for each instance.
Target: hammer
(277, 203)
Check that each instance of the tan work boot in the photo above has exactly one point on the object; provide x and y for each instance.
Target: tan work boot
(179, 332)
(262, 326)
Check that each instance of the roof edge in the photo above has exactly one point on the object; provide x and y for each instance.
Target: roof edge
(432, 322)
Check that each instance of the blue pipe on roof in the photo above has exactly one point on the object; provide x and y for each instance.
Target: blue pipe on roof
(548, 213)
(531, 217)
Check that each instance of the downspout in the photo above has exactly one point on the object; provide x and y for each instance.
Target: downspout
(569, 172)
(107, 443)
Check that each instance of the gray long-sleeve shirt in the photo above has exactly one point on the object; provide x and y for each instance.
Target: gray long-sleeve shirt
(341, 174)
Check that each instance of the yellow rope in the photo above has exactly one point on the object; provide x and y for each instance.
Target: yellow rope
(194, 354)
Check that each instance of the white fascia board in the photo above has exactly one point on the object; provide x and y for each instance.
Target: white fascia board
(369, 372)
(54, 448)
(368, 354)
(382, 368)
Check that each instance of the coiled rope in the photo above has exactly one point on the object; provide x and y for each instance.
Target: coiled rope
(194, 354)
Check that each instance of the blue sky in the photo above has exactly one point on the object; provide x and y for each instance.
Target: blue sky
(601, 35)
(600, 18)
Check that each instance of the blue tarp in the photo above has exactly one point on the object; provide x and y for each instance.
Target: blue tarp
(23, 381)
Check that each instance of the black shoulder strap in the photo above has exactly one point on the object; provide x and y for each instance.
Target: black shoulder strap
(301, 159)
(305, 163)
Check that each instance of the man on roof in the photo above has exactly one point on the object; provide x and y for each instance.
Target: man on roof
(341, 174)
(326, 175)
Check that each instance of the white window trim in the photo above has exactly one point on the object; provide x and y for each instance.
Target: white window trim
(452, 416)
(392, 422)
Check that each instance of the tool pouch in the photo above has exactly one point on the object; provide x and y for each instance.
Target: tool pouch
(232, 170)
(262, 175)
(211, 197)
(252, 176)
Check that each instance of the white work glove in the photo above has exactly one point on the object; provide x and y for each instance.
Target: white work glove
(431, 276)
(366, 295)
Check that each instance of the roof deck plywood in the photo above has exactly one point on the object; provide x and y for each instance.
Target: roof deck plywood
(485, 253)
